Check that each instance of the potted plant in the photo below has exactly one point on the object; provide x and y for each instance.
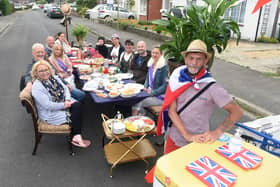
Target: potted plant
(206, 23)
(80, 32)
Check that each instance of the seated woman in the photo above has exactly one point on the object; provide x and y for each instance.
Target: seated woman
(63, 42)
(116, 50)
(101, 47)
(126, 56)
(63, 68)
(54, 103)
(155, 83)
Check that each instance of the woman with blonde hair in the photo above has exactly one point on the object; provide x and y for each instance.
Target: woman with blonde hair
(54, 103)
(61, 62)
(63, 68)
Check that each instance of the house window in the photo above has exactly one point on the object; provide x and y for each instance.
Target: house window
(237, 13)
(143, 7)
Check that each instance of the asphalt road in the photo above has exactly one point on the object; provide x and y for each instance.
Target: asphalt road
(52, 166)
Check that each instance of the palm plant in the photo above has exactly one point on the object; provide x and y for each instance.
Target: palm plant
(80, 32)
(206, 23)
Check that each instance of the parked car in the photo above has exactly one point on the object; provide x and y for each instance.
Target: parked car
(35, 7)
(18, 6)
(93, 13)
(46, 7)
(178, 11)
(114, 12)
(73, 7)
(55, 12)
(1, 14)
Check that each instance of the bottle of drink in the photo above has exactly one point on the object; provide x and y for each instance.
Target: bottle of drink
(235, 142)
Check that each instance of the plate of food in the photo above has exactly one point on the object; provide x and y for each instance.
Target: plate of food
(84, 69)
(124, 75)
(90, 86)
(139, 124)
(103, 95)
(113, 86)
(112, 78)
(78, 61)
(113, 93)
(134, 86)
(129, 92)
(98, 61)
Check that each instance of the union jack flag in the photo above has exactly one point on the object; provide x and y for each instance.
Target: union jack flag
(245, 159)
(211, 173)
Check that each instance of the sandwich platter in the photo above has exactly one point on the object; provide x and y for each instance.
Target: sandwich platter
(139, 124)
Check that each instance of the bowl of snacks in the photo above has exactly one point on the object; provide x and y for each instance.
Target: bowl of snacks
(113, 93)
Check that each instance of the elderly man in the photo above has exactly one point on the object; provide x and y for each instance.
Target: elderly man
(138, 64)
(49, 45)
(38, 53)
(191, 124)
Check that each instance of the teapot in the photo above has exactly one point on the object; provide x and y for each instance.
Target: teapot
(118, 127)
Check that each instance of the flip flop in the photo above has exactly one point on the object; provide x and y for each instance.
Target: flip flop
(85, 144)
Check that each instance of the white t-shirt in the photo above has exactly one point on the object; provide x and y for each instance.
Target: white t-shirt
(115, 51)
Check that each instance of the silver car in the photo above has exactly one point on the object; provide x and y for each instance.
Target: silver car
(114, 12)
(93, 13)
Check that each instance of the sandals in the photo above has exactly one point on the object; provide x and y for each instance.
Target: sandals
(83, 144)
(79, 142)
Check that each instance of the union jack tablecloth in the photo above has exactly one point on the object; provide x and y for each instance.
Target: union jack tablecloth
(245, 159)
(211, 173)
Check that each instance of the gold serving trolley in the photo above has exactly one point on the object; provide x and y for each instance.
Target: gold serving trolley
(126, 147)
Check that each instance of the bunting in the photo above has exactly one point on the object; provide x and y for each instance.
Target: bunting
(259, 4)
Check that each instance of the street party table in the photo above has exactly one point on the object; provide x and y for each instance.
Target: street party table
(119, 100)
(171, 168)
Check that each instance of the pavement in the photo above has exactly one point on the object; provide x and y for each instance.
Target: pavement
(260, 57)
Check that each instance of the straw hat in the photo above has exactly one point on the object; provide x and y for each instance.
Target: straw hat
(196, 46)
(65, 8)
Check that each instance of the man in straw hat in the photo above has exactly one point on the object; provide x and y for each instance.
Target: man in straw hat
(191, 123)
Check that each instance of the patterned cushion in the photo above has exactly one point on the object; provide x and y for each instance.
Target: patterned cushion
(24, 94)
(44, 127)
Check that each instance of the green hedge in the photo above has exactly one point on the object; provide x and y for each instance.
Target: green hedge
(267, 39)
(6, 7)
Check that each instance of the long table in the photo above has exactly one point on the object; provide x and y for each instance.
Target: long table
(119, 100)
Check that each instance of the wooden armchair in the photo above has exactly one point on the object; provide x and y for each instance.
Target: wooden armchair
(41, 127)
